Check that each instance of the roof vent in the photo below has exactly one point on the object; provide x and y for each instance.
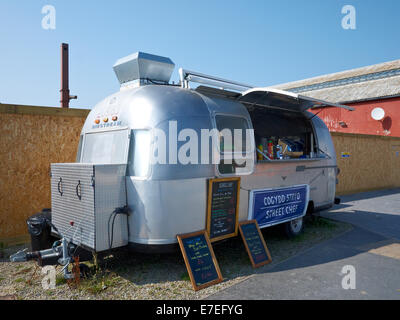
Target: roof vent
(143, 68)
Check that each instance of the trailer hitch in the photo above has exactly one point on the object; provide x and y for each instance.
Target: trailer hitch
(60, 250)
(20, 256)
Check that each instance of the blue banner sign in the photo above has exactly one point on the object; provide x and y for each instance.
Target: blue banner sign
(274, 206)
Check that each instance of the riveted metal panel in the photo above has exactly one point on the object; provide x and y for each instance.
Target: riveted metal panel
(87, 194)
(110, 193)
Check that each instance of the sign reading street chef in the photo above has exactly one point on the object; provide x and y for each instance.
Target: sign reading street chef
(273, 206)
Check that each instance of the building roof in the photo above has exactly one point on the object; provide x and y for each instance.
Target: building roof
(366, 83)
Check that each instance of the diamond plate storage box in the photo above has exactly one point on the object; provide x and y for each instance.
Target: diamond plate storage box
(87, 195)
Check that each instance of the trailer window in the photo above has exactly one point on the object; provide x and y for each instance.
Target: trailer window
(106, 147)
(236, 145)
(236, 129)
(139, 153)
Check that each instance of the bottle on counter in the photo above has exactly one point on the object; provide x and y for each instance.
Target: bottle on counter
(279, 151)
(259, 155)
(270, 149)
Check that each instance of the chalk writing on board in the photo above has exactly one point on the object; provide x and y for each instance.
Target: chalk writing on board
(223, 206)
(199, 259)
(255, 245)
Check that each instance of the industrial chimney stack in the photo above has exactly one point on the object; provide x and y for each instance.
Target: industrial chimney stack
(65, 97)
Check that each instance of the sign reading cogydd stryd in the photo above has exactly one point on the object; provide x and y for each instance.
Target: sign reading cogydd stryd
(272, 206)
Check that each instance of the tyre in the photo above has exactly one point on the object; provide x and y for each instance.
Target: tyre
(293, 228)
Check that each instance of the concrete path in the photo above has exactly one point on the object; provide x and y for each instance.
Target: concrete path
(372, 248)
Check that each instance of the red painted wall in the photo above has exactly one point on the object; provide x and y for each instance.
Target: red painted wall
(360, 120)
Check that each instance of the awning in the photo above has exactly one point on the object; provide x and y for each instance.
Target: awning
(285, 100)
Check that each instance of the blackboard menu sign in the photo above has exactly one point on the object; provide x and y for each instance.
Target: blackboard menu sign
(199, 259)
(222, 208)
(254, 243)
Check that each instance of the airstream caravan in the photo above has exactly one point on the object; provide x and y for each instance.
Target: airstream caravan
(288, 157)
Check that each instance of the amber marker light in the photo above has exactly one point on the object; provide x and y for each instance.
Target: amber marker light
(115, 118)
(105, 119)
(97, 121)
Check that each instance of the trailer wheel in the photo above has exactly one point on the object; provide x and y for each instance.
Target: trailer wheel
(293, 228)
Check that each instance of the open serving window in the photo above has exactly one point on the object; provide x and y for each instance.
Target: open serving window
(282, 135)
(283, 129)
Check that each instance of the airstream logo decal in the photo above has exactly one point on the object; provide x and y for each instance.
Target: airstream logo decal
(274, 206)
(106, 125)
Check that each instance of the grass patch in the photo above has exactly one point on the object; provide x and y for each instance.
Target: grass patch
(319, 222)
(312, 227)
(50, 293)
(185, 276)
(60, 280)
(99, 283)
(1, 279)
(19, 280)
(299, 238)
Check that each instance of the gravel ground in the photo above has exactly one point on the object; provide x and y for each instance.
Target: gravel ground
(127, 275)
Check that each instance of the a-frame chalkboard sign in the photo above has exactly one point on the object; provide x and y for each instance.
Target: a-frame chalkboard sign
(222, 208)
(255, 244)
(200, 260)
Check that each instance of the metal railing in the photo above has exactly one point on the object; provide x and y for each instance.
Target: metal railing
(187, 76)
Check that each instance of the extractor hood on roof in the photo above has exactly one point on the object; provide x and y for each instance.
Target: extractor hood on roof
(143, 68)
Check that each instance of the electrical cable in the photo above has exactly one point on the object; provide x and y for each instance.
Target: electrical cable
(121, 210)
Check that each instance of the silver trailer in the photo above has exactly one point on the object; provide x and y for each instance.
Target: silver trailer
(290, 147)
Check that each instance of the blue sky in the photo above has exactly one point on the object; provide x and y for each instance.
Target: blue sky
(257, 42)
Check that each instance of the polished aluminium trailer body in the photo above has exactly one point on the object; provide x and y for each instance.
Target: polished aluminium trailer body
(170, 199)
